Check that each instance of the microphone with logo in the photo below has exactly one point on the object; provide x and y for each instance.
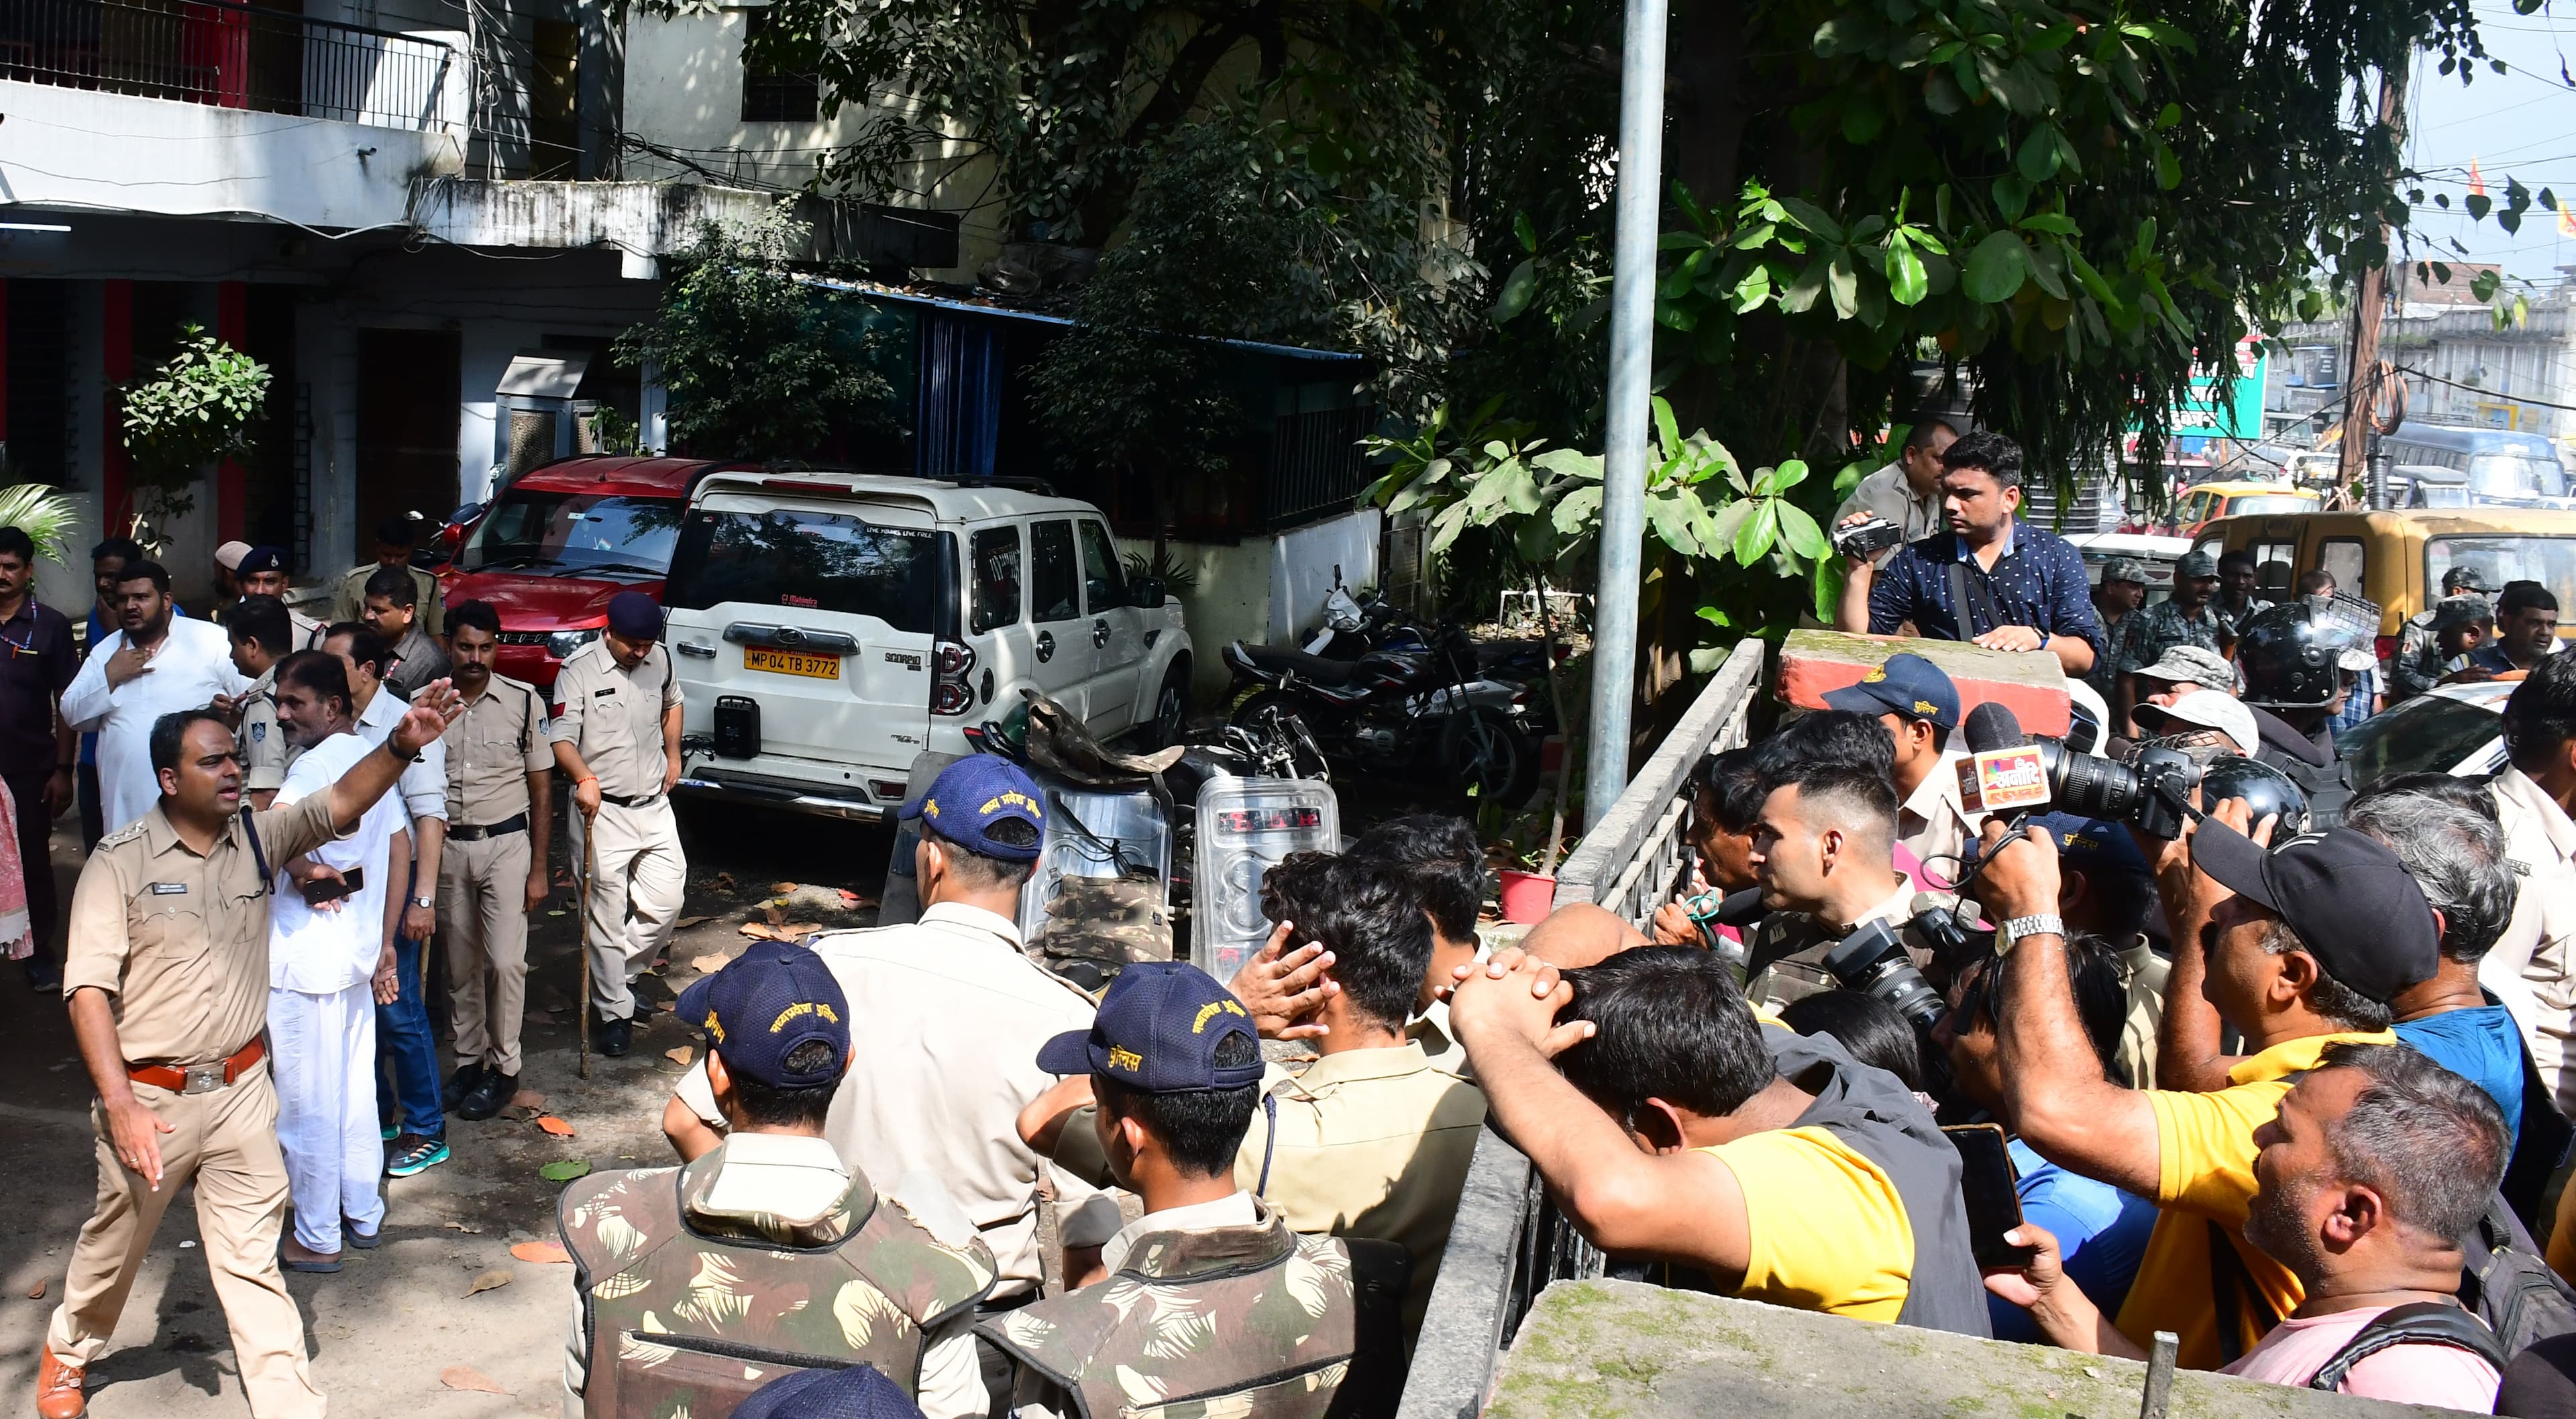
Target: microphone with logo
(2004, 771)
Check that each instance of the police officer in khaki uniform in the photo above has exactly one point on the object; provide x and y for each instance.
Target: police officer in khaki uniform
(618, 738)
(262, 635)
(167, 983)
(394, 538)
(500, 801)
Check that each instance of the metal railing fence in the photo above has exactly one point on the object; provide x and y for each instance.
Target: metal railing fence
(1509, 1241)
(226, 55)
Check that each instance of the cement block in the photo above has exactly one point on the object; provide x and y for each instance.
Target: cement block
(1621, 1350)
(2031, 685)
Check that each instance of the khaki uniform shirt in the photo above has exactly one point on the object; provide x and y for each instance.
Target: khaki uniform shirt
(613, 719)
(263, 744)
(2532, 968)
(1785, 959)
(417, 661)
(2147, 973)
(1934, 826)
(351, 598)
(179, 941)
(955, 1015)
(1886, 493)
(492, 747)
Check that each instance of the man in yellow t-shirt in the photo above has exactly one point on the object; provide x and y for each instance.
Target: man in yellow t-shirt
(2307, 943)
(1682, 1130)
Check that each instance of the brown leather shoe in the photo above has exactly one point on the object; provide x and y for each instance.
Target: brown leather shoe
(58, 1388)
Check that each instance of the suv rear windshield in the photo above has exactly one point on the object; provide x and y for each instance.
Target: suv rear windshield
(574, 533)
(815, 561)
(2427, 734)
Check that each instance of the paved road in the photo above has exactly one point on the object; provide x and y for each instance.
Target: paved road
(385, 1328)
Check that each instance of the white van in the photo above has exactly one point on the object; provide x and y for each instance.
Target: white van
(830, 627)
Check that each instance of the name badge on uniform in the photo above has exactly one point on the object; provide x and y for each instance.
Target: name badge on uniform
(169, 889)
(595, 694)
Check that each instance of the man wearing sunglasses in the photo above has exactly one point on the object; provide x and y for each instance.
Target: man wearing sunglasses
(168, 987)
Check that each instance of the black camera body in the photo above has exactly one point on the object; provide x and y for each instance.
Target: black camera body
(1867, 539)
(1874, 962)
(2151, 790)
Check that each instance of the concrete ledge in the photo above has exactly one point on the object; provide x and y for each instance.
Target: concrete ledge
(2031, 686)
(1620, 1350)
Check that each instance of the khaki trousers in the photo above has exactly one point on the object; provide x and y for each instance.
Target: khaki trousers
(482, 896)
(226, 1142)
(634, 897)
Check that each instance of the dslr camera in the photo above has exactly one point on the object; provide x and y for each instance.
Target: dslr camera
(2151, 790)
(1874, 962)
(1867, 539)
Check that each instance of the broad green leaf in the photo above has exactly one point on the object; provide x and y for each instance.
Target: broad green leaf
(1905, 278)
(1446, 526)
(1866, 230)
(1800, 531)
(1569, 463)
(1802, 292)
(1844, 283)
(2048, 268)
(1754, 234)
(1728, 523)
(1825, 579)
(1753, 537)
(1715, 616)
(1754, 289)
(1578, 511)
(2037, 159)
(1665, 429)
(1997, 268)
(1528, 234)
(1671, 522)
(1862, 122)
(1813, 218)
(1788, 475)
(1518, 288)
(1520, 491)
(2054, 223)
(1532, 540)
(2168, 168)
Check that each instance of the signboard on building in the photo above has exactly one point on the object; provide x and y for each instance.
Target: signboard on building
(2235, 413)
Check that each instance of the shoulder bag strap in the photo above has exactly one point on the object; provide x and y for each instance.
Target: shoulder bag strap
(2421, 1323)
(258, 855)
(2229, 1286)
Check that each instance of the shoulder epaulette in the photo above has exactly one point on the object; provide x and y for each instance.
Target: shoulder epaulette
(126, 834)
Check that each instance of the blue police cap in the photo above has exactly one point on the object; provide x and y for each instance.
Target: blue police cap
(972, 795)
(858, 1392)
(635, 616)
(261, 559)
(2092, 842)
(1157, 1031)
(757, 1010)
(1906, 684)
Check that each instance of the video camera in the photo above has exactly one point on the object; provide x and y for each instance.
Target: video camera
(2009, 772)
(1867, 539)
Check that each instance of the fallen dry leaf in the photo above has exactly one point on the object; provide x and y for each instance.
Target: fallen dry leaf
(774, 911)
(686, 922)
(710, 963)
(756, 930)
(489, 1281)
(467, 1377)
(463, 1228)
(724, 882)
(782, 888)
(554, 1125)
(528, 1099)
(680, 1056)
(542, 1253)
(38, 1294)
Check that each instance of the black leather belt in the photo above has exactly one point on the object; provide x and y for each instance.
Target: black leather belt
(647, 801)
(516, 823)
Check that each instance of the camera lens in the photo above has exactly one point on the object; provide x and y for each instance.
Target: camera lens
(2093, 787)
(1895, 980)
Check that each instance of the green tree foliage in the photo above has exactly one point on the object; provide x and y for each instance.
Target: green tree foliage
(196, 409)
(758, 364)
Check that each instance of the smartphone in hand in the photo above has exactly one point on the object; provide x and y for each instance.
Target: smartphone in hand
(323, 889)
(1986, 1184)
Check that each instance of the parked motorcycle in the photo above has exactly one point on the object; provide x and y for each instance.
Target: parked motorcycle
(1401, 710)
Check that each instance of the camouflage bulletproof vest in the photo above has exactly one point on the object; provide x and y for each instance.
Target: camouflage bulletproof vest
(688, 1310)
(1241, 1322)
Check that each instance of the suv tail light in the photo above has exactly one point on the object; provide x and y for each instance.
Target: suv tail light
(952, 661)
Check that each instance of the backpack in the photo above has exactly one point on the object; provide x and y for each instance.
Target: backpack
(2507, 1284)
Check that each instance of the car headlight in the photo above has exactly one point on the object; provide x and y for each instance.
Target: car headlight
(562, 644)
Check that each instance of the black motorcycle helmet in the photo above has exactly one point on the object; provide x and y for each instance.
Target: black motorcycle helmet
(2265, 789)
(2288, 661)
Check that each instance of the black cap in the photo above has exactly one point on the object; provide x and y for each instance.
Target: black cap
(2347, 896)
(261, 559)
(635, 616)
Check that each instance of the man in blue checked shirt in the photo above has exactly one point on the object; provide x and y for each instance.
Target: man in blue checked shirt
(1992, 579)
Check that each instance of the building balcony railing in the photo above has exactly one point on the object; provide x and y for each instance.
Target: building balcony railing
(226, 55)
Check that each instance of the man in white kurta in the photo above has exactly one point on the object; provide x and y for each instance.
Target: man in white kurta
(323, 965)
(153, 664)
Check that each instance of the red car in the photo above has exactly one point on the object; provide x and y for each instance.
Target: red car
(559, 542)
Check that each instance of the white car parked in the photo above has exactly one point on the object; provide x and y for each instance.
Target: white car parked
(828, 628)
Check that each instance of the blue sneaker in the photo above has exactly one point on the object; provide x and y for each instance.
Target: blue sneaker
(391, 1133)
(415, 1154)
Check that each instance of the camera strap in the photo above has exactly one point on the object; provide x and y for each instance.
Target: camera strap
(258, 856)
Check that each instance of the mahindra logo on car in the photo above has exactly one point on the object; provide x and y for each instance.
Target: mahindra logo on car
(909, 660)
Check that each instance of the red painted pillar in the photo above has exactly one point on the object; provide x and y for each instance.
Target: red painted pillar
(232, 326)
(4, 362)
(116, 368)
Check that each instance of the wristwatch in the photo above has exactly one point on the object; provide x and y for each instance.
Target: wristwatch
(431, 903)
(2043, 924)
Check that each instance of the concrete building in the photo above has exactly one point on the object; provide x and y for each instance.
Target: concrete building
(2463, 369)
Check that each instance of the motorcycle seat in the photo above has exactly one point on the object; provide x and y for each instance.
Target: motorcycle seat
(1307, 667)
